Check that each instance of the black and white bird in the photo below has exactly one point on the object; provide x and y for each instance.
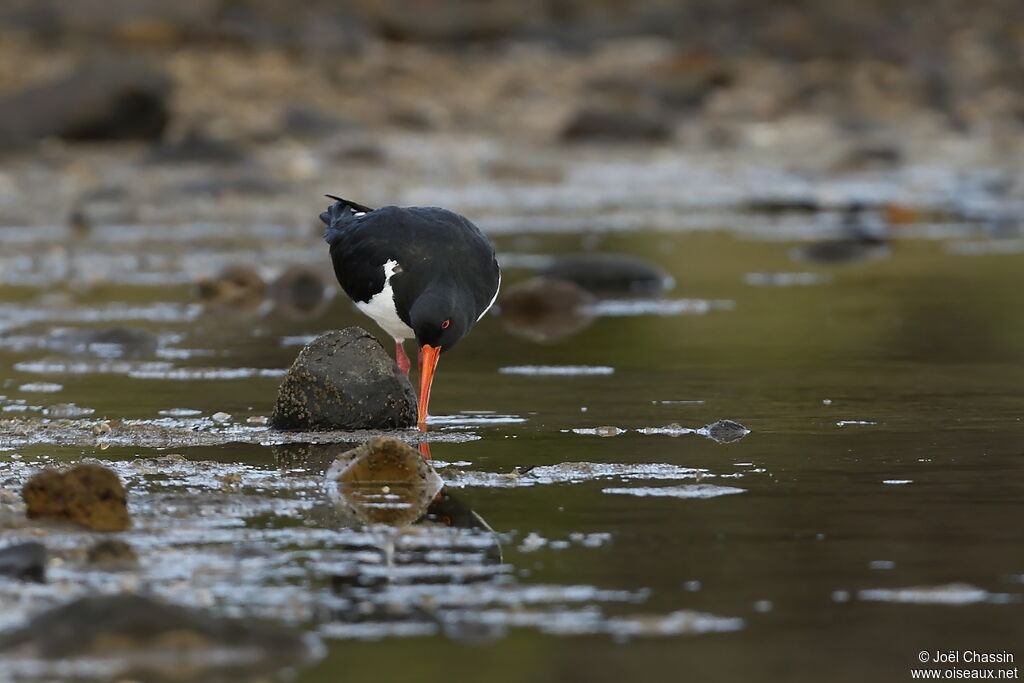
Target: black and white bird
(418, 271)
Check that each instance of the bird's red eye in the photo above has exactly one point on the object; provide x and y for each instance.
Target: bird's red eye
(445, 324)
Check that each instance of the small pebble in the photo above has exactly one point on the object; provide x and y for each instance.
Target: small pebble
(221, 417)
(101, 429)
(257, 420)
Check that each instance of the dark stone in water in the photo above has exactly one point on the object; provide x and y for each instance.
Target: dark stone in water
(610, 274)
(108, 342)
(140, 635)
(112, 553)
(726, 431)
(195, 146)
(24, 561)
(236, 288)
(102, 100)
(300, 292)
(599, 124)
(344, 380)
(545, 309)
(89, 495)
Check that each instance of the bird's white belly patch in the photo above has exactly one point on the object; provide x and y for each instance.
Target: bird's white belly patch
(381, 307)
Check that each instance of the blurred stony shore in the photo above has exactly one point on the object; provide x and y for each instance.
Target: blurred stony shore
(321, 94)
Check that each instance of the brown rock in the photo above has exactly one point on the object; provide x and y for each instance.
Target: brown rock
(90, 495)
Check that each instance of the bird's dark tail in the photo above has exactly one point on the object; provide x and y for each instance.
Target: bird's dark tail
(338, 214)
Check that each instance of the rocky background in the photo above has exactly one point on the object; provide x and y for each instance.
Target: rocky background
(293, 90)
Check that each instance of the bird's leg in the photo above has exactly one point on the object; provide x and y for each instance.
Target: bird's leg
(402, 359)
(425, 450)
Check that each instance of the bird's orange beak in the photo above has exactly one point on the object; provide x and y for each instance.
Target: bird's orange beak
(429, 355)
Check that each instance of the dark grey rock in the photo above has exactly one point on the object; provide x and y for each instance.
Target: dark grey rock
(601, 124)
(129, 630)
(195, 146)
(24, 561)
(112, 554)
(545, 309)
(344, 380)
(726, 431)
(102, 100)
(610, 274)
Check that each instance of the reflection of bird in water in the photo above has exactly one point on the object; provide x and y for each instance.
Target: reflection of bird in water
(235, 288)
(545, 309)
(299, 293)
(422, 272)
(607, 274)
(865, 235)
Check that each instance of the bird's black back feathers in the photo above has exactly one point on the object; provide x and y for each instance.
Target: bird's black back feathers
(432, 246)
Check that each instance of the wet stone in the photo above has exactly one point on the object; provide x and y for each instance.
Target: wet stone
(151, 640)
(24, 561)
(89, 495)
(545, 309)
(113, 554)
(726, 431)
(610, 274)
(102, 100)
(344, 380)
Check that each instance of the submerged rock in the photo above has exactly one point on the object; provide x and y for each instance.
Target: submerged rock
(545, 309)
(24, 561)
(344, 380)
(90, 495)
(235, 287)
(103, 100)
(137, 637)
(300, 292)
(383, 481)
(112, 554)
(610, 274)
(725, 431)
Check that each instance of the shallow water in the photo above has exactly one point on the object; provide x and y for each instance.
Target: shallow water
(872, 511)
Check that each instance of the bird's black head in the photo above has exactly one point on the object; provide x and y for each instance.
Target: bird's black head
(438, 321)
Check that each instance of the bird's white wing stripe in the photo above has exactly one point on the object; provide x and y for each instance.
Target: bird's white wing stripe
(493, 298)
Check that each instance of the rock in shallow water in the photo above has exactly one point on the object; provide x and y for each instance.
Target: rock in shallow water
(87, 494)
(135, 635)
(24, 561)
(344, 380)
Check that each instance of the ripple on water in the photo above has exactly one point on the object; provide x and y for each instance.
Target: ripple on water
(629, 307)
(557, 370)
(947, 594)
(690, 491)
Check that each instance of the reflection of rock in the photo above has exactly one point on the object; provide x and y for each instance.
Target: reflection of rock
(86, 494)
(131, 636)
(236, 287)
(299, 293)
(24, 561)
(545, 309)
(344, 380)
(610, 274)
(102, 100)
(384, 481)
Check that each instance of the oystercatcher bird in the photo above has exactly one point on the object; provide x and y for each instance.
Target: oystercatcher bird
(418, 271)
